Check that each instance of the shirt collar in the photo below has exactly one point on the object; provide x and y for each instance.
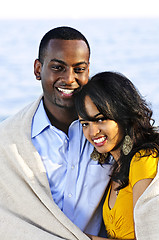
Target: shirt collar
(40, 120)
(39, 125)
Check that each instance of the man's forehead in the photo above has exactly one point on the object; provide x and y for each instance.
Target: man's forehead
(64, 44)
(58, 48)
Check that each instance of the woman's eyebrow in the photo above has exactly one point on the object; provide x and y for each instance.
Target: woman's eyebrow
(94, 117)
(81, 120)
(98, 114)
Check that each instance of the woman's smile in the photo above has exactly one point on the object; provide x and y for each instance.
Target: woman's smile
(100, 141)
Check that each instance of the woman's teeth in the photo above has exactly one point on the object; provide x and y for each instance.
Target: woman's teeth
(99, 140)
(66, 91)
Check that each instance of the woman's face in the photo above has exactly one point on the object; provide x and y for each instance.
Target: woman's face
(104, 134)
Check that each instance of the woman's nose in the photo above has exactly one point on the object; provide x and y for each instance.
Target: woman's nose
(93, 130)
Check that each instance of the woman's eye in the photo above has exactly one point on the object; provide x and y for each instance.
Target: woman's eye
(101, 119)
(84, 124)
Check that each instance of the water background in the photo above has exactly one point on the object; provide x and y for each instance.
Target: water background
(129, 46)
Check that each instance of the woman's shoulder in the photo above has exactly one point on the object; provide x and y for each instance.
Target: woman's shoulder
(144, 155)
(143, 165)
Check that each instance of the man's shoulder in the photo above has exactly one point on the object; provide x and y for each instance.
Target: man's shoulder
(22, 115)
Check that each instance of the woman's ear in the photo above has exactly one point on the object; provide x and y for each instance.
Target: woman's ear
(37, 69)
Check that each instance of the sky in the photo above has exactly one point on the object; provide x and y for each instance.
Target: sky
(60, 9)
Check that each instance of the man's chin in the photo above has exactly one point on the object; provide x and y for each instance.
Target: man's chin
(65, 106)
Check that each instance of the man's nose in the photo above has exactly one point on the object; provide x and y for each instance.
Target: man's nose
(69, 76)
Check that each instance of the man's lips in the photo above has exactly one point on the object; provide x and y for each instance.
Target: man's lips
(100, 141)
(66, 92)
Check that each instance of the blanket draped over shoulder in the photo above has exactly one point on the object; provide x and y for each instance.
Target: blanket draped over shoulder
(27, 210)
(146, 212)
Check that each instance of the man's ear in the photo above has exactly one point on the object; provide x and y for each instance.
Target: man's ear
(88, 67)
(37, 69)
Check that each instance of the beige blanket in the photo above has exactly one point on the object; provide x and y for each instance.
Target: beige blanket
(146, 212)
(27, 211)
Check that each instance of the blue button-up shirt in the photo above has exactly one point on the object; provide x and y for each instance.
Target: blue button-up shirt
(77, 183)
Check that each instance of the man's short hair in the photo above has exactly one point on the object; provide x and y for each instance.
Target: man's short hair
(63, 33)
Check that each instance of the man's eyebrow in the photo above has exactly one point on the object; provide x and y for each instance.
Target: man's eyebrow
(62, 62)
(58, 60)
(79, 63)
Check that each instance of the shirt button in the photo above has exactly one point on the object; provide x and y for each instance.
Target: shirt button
(69, 195)
(72, 167)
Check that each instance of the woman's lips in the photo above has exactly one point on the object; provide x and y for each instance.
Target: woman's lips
(100, 141)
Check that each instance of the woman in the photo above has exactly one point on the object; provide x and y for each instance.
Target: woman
(117, 121)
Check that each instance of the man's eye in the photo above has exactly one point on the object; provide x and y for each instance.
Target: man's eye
(57, 68)
(79, 69)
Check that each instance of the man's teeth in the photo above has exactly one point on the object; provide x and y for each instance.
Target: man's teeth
(66, 91)
(99, 140)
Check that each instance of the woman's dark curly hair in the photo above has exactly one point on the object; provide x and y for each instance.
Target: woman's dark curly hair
(117, 99)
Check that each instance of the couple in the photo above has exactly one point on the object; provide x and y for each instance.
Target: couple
(47, 175)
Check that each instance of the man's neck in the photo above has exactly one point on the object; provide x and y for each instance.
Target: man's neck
(61, 118)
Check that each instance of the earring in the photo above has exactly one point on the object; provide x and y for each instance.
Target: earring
(96, 156)
(38, 77)
(127, 145)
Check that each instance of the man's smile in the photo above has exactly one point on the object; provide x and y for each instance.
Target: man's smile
(66, 91)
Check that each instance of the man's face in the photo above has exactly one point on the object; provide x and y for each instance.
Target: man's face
(64, 71)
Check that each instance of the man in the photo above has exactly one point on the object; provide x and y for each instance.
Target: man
(45, 159)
